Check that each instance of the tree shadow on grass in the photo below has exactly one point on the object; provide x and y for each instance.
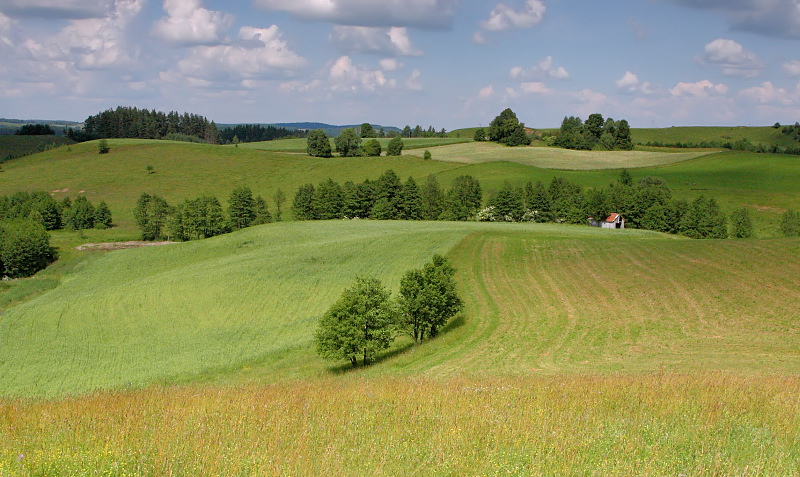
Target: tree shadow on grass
(346, 368)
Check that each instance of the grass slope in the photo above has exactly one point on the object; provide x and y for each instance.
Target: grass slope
(687, 134)
(17, 146)
(558, 158)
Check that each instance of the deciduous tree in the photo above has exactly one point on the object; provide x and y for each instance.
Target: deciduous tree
(348, 144)
(428, 298)
(318, 144)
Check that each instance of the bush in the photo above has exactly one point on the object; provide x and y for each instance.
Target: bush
(102, 147)
(395, 147)
(24, 248)
(372, 148)
(790, 223)
(741, 225)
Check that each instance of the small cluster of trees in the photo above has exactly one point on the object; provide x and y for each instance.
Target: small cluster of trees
(255, 133)
(505, 129)
(24, 248)
(389, 199)
(41, 208)
(348, 144)
(793, 131)
(365, 320)
(417, 131)
(131, 122)
(35, 130)
(203, 217)
(593, 133)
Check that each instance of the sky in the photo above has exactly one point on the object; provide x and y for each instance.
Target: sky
(442, 63)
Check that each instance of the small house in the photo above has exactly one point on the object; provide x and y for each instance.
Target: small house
(614, 221)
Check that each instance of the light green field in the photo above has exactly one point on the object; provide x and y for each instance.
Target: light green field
(244, 305)
(755, 135)
(558, 158)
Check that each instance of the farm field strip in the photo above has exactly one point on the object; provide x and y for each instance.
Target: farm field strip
(583, 306)
(557, 158)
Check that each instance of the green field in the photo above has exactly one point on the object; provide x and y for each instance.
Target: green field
(580, 351)
(557, 158)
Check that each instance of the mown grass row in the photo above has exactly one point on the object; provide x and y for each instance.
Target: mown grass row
(654, 424)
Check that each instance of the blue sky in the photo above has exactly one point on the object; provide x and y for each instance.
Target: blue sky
(446, 63)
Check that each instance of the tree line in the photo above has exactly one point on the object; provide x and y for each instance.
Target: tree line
(35, 130)
(645, 204)
(594, 133)
(365, 320)
(255, 133)
(203, 216)
(135, 123)
(389, 198)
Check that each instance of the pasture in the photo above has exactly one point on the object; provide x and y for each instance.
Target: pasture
(298, 146)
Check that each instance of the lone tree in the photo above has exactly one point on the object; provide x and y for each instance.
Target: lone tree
(372, 148)
(359, 324)
(741, 225)
(507, 129)
(241, 208)
(348, 144)
(428, 298)
(367, 131)
(395, 146)
(318, 144)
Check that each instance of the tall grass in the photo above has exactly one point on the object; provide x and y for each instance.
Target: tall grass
(657, 424)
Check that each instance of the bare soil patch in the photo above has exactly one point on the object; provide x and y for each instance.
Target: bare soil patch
(88, 247)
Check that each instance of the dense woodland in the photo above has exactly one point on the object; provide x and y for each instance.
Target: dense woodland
(135, 123)
(256, 133)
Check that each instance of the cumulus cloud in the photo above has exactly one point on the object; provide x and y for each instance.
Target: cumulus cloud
(535, 87)
(57, 9)
(700, 89)
(259, 53)
(91, 43)
(188, 23)
(344, 75)
(390, 64)
(486, 92)
(774, 18)
(544, 70)
(732, 58)
(504, 17)
(433, 14)
(767, 93)
(392, 41)
(792, 68)
(630, 82)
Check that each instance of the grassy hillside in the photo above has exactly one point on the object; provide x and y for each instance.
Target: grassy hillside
(557, 158)
(764, 183)
(244, 306)
(579, 350)
(756, 135)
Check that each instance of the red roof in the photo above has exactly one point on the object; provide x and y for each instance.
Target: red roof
(613, 217)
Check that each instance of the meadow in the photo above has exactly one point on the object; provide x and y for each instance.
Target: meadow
(579, 351)
(298, 146)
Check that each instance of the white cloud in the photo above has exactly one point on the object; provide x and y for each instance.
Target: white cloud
(767, 93)
(188, 23)
(700, 89)
(384, 41)
(504, 17)
(260, 53)
(792, 68)
(385, 13)
(486, 92)
(732, 58)
(545, 69)
(390, 64)
(535, 87)
(413, 82)
(346, 76)
(630, 83)
(91, 43)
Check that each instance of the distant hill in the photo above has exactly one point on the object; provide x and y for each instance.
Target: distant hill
(9, 126)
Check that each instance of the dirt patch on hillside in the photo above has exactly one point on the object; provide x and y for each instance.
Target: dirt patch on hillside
(88, 247)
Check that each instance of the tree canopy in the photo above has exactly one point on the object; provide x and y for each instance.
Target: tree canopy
(506, 129)
(318, 144)
(428, 298)
(348, 143)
